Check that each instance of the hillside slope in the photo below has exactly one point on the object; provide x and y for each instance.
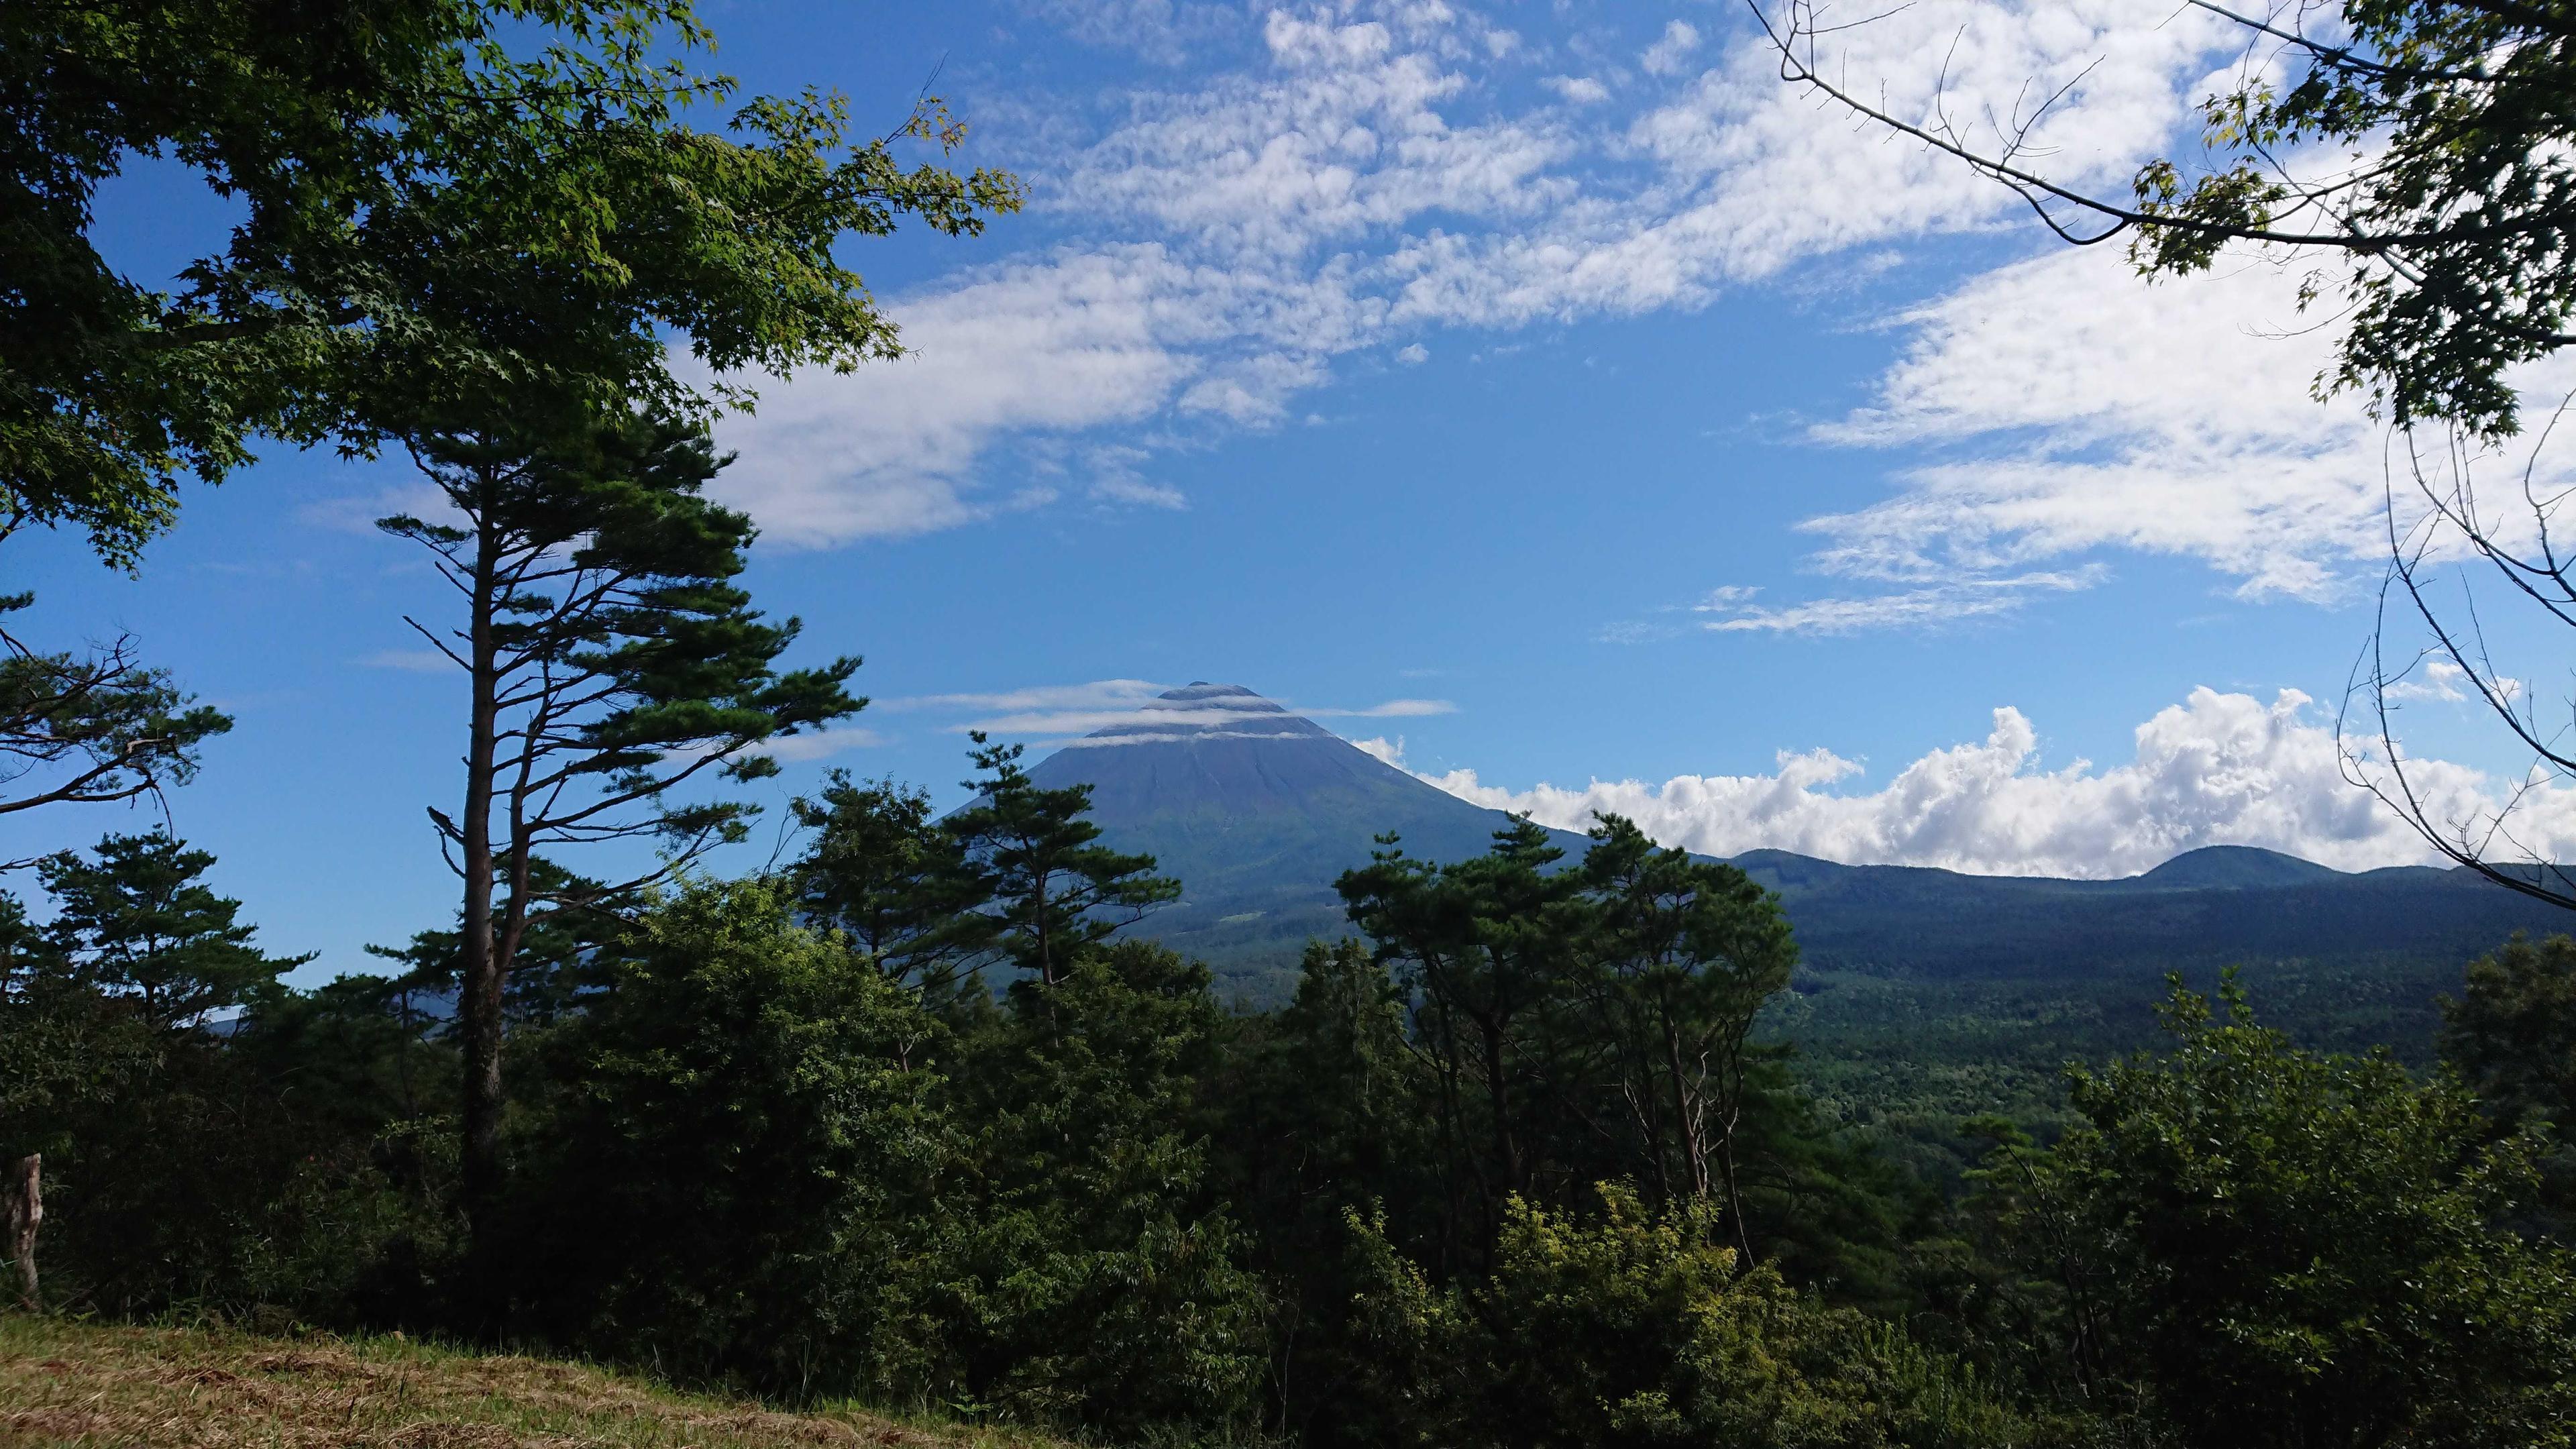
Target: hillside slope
(91, 1384)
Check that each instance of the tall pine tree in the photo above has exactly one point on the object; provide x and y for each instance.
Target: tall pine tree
(610, 660)
(1053, 887)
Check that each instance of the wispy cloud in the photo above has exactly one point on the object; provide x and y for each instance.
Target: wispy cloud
(1392, 709)
(1060, 710)
(1095, 694)
(1388, 169)
(1117, 478)
(820, 744)
(1933, 607)
(415, 661)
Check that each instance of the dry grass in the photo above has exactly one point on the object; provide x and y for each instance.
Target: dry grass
(96, 1385)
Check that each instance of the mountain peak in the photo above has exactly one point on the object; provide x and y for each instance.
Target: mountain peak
(1256, 810)
(2236, 867)
(1218, 696)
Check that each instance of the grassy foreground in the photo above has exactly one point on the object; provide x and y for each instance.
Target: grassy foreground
(65, 1383)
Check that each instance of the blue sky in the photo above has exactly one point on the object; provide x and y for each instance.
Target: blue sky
(1544, 390)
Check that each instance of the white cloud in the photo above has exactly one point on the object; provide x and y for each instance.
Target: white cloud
(1378, 747)
(1140, 493)
(1159, 30)
(2097, 411)
(2436, 678)
(2217, 769)
(1942, 604)
(1098, 693)
(1392, 709)
(1062, 345)
(1369, 176)
(414, 661)
(1671, 52)
(1074, 709)
(1219, 711)
(1413, 355)
(358, 512)
(819, 744)
(1117, 478)
(2067, 408)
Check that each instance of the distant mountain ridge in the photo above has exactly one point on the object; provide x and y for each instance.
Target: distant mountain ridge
(1257, 810)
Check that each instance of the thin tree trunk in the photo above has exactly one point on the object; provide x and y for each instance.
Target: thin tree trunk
(1734, 1202)
(1728, 1120)
(1686, 1123)
(1046, 938)
(1507, 1156)
(479, 1009)
(25, 1194)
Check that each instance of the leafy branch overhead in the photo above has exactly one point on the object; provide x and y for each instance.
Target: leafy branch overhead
(439, 199)
(91, 729)
(2425, 149)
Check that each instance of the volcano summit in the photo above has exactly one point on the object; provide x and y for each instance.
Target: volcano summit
(1256, 811)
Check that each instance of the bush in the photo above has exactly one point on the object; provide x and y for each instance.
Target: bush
(725, 1180)
(2288, 1249)
(1086, 1277)
(1633, 1329)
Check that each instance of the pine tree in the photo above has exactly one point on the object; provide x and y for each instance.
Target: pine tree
(610, 660)
(1053, 887)
(885, 873)
(140, 922)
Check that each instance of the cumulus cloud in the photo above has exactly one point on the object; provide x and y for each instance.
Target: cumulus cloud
(1379, 748)
(1671, 52)
(2216, 769)
(2435, 678)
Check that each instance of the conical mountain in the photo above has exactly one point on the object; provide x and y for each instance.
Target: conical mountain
(1256, 811)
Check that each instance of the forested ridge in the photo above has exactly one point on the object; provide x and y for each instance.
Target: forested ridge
(1548, 1141)
(900, 1122)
